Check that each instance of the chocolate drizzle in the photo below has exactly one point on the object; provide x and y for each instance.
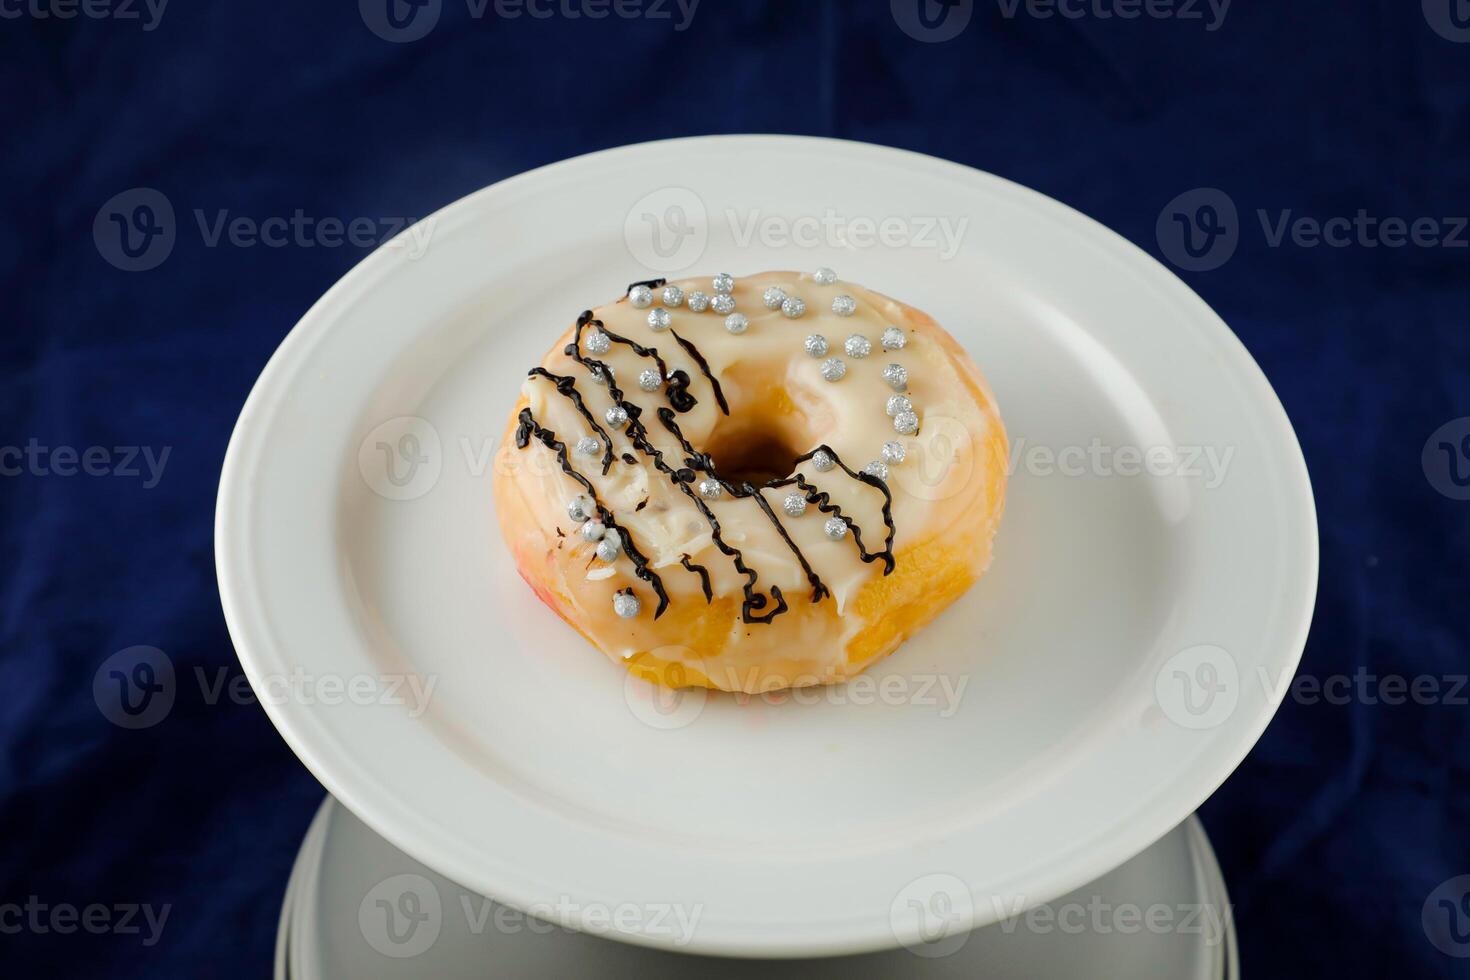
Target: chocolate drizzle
(823, 502)
(682, 478)
(650, 283)
(819, 591)
(637, 435)
(701, 462)
(695, 462)
(698, 359)
(567, 385)
(703, 574)
(525, 429)
(678, 381)
(753, 600)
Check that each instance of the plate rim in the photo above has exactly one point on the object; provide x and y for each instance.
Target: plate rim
(372, 800)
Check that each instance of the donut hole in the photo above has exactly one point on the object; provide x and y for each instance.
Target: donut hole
(748, 454)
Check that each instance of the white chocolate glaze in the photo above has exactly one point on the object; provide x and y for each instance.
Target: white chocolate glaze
(949, 484)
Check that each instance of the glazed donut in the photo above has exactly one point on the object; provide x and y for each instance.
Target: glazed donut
(751, 484)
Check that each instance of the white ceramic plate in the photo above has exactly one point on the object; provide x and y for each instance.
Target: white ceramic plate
(301, 893)
(356, 878)
(281, 969)
(1126, 649)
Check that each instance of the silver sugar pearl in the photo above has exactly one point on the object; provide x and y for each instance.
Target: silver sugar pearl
(617, 416)
(736, 323)
(823, 460)
(672, 296)
(697, 301)
(597, 342)
(794, 504)
(641, 297)
(581, 508)
(857, 346)
(905, 423)
(609, 547)
(723, 283)
(833, 369)
(898, 403)
(824, 276)
(793, 307)
(893, 453)
(773, 297)
(711, 489)
(897, 376)
(660, 319)
(650, 380)
(588, 446)
(626, 605)
(593, 530)
(894, 339)
(835, 528)
(723, 303)
(844, 305)
(877, 468)
(815, 344)
(601, 376)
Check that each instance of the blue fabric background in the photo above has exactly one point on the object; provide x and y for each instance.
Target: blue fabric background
(1332, 834)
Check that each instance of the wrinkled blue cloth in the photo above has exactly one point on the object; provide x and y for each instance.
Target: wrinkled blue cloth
(1333, 834)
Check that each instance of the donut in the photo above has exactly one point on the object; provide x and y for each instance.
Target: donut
(751, 484)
